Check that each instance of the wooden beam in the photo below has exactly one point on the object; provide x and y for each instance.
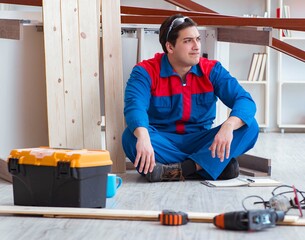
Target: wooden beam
(254, 166)
(74, 124)
(288, 49)
(163, 12)
(71, 35)
(23, 2)
(297, 24)
(54, 73)
(113, 82)
(89, 32)
(190, 5)
(248, 35)
(10, 29)
(120, 214)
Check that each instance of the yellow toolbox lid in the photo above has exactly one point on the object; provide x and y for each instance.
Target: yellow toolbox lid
(44, 156)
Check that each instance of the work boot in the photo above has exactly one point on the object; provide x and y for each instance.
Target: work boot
(231, 170)
(161, 172)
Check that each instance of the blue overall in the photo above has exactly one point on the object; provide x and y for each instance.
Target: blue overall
(179, 115)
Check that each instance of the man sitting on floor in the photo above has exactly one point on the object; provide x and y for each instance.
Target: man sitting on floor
(170, 106)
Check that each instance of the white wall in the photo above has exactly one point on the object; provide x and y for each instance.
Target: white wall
(23, 107)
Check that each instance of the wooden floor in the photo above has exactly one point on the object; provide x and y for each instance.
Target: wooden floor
(287, 152)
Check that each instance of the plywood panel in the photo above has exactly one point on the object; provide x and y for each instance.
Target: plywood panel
(72, 79)
(54, 73)
(72, 64)
(113, 80)
(89, 31)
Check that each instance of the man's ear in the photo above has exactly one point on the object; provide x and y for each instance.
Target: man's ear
(169, 47)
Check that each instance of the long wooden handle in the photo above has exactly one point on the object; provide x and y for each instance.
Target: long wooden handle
(118, 214)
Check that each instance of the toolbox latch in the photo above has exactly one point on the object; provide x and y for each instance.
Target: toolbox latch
(63, 169)
(13, 165)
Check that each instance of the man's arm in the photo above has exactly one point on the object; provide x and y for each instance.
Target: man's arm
(145, 152)
(243, 109)
(223, 139)
(137, 97)
(232, 94)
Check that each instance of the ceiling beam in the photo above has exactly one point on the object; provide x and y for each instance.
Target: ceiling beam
(297, 24)
(190, 5)
(24, 2)
(288, 49)
(164, 12)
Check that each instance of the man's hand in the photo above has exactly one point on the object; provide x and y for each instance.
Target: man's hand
(145, 152)
(223, 139)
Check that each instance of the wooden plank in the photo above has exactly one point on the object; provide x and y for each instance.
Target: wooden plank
(119, 214)
(113, 81)
(10, 29)
(245, 35)
(111, 214)
(24, 2)
(89, 31)
(251, 172)
(190, 5)
(54, 73)
(259, 165)
(297, 24)
(278, 23)
(163, 12)
(4, 173)
(288, 49)
(129, 165)
(72, 71)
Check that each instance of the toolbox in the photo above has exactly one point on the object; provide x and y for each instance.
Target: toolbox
(59, 177)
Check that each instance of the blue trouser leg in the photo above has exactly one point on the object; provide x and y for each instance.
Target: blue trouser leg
(174, 148)
(165, 150)
(243, 140)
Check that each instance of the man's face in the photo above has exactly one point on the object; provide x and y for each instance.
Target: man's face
(187, 49)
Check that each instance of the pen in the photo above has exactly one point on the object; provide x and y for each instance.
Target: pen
(250, 180)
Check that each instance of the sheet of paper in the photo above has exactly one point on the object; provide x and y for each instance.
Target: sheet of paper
(263, 182)
(243, 181)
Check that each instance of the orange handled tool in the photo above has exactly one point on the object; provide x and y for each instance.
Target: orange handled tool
(172, 218)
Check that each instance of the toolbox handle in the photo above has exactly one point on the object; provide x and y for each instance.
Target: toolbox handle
(63, 169)
(13, 165)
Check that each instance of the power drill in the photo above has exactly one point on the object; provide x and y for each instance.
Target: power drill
(251, 220)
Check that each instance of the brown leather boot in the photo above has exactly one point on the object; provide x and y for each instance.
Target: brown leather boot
(161, 172)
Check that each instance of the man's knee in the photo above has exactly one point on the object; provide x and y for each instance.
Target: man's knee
(253, 128)
(251, 132)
